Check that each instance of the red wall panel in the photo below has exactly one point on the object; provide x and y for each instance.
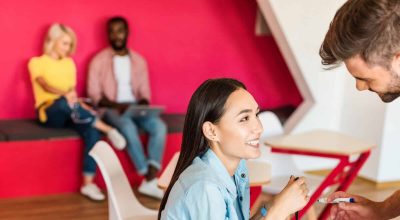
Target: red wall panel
(185, 42)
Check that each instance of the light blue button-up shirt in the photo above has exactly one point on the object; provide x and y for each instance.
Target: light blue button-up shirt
(206, 191)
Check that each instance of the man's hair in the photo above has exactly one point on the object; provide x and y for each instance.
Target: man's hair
(56, 31)
(368, 28)
(117, 19)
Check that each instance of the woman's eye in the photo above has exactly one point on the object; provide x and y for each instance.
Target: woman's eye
(244, 119)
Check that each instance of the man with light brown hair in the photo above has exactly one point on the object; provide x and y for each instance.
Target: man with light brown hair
(365, 35)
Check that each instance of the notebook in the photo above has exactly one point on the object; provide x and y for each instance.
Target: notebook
(143, 110)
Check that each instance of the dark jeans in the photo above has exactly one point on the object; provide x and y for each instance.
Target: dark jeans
(60, 115)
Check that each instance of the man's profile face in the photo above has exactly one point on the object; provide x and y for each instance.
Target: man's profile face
(384, 82)
(117, 35)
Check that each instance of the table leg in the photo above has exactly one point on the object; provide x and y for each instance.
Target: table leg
(328, 181)
(347, 180)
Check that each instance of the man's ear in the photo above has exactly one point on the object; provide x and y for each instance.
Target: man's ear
(396, 63)
(209, 131)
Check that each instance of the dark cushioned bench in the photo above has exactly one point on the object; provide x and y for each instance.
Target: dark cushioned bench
(29, 129)
(3, 137)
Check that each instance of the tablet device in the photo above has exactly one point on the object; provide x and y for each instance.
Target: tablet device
(135, 110)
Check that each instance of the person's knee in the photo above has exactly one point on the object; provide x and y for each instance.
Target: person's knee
(60, 106)
(160, 127)
(127, 125)
(92, 134)
(62, 103)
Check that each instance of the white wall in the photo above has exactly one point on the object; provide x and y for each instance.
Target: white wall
(362, 116)
(390, 145)
(331, 100)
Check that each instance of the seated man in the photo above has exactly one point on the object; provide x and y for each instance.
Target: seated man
(118, 78)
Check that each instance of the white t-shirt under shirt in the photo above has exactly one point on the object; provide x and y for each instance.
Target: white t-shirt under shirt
(122, 71)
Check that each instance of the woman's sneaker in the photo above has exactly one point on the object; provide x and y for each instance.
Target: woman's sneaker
(92, 192)
(150, 188)
(116, 138)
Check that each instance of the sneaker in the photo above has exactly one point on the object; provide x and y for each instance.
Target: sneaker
(116, 138)
(150, 188)
(92, 192)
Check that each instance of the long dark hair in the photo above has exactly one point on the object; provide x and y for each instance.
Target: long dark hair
(206, 104)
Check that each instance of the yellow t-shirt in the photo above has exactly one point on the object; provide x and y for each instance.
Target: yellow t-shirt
(60, 74)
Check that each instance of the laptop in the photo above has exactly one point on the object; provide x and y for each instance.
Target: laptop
(135, 110)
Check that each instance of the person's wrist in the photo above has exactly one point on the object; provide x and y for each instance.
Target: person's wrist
(263, 211)
(385, 210)
(276, 213)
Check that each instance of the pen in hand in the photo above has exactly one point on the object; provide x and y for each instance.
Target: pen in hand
(297, 213)
(335, 201)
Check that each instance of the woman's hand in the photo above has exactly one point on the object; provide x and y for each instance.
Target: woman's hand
(292, 198)
(71, 97)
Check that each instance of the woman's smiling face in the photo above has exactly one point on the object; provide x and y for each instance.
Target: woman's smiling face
(238, 131)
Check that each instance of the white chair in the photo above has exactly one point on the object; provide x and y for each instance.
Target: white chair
(282, 165)
(122, 202)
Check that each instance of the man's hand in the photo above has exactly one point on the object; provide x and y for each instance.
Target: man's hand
(362, 209)
(121, 107)
(143, 102)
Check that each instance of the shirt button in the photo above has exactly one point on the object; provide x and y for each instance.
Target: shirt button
(241, 198)
(243, 175)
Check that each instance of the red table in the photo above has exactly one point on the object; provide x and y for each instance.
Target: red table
(328, 144)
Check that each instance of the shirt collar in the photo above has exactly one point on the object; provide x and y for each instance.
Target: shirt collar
(113, 53)
(222, 174)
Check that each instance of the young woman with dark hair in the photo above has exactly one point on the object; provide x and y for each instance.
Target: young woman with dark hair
(210, 181)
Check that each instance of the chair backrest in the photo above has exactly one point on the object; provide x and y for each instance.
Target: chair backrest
(166, 175)
(122, 200)
(281, 164)
(272, 125)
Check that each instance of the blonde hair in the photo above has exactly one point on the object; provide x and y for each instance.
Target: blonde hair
(55, 31)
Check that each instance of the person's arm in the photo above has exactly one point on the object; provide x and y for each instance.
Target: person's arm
(392, 205)
(48, 88)
(142, 79)
(264, 200)
(120, 107)
(36, 67)
(364, 208)
(292, 198)
(94, 89)
(70, 95)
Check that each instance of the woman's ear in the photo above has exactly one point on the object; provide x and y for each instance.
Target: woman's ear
(209, 131)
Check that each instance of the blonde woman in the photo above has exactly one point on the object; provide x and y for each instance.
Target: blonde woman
(53, 77)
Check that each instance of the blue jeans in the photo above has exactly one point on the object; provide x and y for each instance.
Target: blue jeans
(128, 126)
(59, 115)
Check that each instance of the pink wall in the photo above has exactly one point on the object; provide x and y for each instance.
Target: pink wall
(185, 42)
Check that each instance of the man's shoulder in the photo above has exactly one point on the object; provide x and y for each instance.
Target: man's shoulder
(102, 54)
(136, 56)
